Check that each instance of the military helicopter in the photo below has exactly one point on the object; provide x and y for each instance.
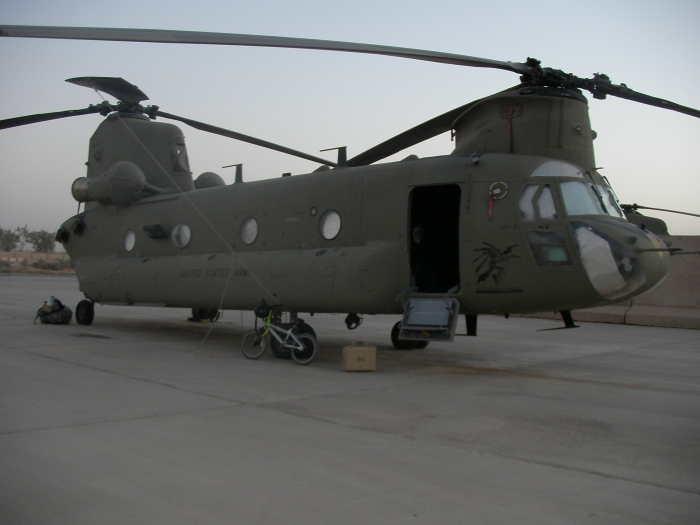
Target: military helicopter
(516, 219)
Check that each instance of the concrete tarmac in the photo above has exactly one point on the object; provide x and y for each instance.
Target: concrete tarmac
(134, 420)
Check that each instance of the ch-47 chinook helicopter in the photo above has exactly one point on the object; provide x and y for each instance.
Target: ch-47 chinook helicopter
(516, 219)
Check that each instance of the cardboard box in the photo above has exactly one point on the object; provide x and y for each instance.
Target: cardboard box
(359, 357)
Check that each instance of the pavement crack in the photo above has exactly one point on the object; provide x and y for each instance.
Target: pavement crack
(400, 436)
(591, 472)
(128, 376)
(519, 371)
(113, 420)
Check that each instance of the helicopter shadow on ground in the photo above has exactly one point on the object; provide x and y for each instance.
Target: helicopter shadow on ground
(161, 325)
(221, 336)
(222, 339)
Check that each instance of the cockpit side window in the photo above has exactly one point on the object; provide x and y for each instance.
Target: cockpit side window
(545, 204)
(527, 207)
(610, 201)
(549, 248)
(536, 203)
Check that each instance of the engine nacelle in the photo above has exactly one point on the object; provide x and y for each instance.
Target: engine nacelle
(208, 179)
(119, 186)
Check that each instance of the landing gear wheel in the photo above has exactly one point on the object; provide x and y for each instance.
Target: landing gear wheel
(305, 328)
(282, 353)
(252, 345)
(402, 344)
(85, 312)
(204, 314)
(305, 356)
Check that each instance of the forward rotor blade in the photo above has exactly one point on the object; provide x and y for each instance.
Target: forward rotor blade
(600, 86)
(116, 86)
(531, 72)
(232, 39)
(244, 138)
(600, 89)
(41, 117)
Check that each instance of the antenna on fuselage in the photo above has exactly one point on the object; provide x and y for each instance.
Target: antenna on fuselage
(342, 156)
(239, 172)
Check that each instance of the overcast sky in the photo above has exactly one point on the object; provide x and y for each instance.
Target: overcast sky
(311, 100)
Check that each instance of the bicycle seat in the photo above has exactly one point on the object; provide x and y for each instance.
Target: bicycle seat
(262, 310)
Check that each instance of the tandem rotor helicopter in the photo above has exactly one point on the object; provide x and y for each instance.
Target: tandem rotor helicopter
(516, 219)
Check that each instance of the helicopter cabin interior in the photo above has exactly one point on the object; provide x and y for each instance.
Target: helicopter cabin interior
(434, 237)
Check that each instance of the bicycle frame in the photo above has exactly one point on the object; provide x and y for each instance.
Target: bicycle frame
(274, 330)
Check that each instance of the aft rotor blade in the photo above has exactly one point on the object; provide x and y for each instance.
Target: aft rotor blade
(244, 138)
(41, 117)
(426, 130)
(116, 86)
(165, 36)
(636, 206)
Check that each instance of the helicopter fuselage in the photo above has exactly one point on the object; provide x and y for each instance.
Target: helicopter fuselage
(516, 219)
(501, 233)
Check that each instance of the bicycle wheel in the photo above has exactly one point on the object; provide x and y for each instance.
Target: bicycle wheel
(281, 351)
(253, 346)
(278, 350)
(306, 355)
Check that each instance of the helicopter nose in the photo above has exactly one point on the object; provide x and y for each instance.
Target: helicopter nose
(654, 257)
(620, 259)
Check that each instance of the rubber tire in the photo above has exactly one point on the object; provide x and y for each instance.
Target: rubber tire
(85, 312)
(283, 353)
(304, 357)
(200, 314)
(305, 328)
(250, 351)
(277, 350)
(401, 344)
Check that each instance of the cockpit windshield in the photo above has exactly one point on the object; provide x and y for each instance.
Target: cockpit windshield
(584, 196)
(580, 198)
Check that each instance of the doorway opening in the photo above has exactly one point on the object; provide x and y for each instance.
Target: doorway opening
(434, 237)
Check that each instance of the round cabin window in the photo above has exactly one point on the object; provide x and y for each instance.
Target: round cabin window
(129, 240)
(249, 230)
(181, 235)
(329, 224)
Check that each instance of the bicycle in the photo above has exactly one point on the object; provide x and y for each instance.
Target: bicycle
(301, 346)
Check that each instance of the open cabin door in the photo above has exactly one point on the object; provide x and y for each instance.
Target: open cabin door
(434, 237)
